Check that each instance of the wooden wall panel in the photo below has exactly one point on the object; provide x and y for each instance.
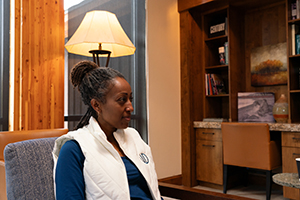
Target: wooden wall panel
(41, 93)
(191, 91)
(264, 26)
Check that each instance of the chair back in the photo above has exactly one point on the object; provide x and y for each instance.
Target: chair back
(249, 145)
(29, 169)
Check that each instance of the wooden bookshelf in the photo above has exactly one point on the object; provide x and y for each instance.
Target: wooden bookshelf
(250, 24)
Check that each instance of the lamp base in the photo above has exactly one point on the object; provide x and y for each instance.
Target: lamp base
(96, 54)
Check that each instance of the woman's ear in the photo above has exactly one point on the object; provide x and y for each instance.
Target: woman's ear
(96, 105)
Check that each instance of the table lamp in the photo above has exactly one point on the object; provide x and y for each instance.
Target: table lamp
(100, 34)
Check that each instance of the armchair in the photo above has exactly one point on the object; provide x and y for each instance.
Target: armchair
(29, 169)
(7, 137)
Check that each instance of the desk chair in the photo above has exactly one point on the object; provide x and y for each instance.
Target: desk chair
(29, 169)
(249, 145)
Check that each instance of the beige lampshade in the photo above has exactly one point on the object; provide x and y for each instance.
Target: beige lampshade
(100, 27)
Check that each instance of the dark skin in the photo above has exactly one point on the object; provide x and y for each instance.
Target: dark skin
(115, 113)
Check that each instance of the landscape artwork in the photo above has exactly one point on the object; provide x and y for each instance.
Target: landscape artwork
(269, 65)
(255, 106)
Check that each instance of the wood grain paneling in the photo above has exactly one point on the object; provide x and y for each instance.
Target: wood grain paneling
(185, 5)
(264, 26)
(191, 91)
(39, 100)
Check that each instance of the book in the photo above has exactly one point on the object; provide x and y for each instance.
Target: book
(219, 83)
(297, 36)
(215, 120)
(293, 38)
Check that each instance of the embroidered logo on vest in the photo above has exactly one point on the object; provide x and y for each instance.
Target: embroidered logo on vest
(144, 158)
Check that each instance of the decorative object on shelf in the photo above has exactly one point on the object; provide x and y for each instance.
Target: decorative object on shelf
(226, 53)
(218, 27)
(255, 106)
(269, 65)
(100, 34)
(222, 55)
(281, 110)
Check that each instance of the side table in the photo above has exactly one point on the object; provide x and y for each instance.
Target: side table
(287, 179)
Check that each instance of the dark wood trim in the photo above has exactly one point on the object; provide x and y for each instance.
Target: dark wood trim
(177, 180)
(187, 193)
(185, 5)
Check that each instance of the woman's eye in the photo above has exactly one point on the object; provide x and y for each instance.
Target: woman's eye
(131, 99)
(122, 99)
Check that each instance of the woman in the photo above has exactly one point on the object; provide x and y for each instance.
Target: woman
(103, 158)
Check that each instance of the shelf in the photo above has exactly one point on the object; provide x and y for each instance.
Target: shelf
(295, 91)
(218, 95)
(294, 21)
(222, 37)
(294, 56)
(216, 67)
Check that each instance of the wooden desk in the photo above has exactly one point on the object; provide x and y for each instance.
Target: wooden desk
(290, 142)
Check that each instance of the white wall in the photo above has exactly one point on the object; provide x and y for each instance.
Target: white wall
(163, 84)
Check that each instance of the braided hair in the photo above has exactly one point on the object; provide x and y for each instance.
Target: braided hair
(93, 82)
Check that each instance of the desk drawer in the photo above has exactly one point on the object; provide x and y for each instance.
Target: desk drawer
(290, 139)
(208, 134)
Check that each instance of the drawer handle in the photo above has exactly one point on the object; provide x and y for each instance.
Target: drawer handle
(296, 154)
(296, 138)
(208, 133)
(208, 145)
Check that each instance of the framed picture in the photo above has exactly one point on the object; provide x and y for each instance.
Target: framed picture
(269, 65)
(255, 106)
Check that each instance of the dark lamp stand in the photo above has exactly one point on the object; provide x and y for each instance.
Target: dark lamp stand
(96, 54)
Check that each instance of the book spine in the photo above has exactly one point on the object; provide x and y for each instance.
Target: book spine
(214, 84)
(297, 43)
(206, 87)
(293, 32)
(211, 92)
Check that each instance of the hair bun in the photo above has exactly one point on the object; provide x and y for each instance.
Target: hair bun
(80, 70)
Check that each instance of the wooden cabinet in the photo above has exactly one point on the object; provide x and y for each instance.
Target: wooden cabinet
(209, 162)
(290, 151)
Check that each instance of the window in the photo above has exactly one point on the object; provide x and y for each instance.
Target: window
(4, 63)
(131, 15)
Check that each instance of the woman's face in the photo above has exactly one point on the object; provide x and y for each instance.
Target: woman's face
(115, 113)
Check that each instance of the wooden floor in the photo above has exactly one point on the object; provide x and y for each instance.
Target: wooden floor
(252, 191)
(187, 193)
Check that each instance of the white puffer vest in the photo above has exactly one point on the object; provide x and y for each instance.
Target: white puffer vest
(104, 171)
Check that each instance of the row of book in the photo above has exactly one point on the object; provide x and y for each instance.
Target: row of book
(214, 84)
(295, 38)
(223, 54)
(295, 9)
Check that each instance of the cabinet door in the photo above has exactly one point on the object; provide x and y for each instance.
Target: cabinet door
(289, 154)
(209, 162)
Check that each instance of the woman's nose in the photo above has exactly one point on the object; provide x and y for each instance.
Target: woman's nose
(129, 107)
